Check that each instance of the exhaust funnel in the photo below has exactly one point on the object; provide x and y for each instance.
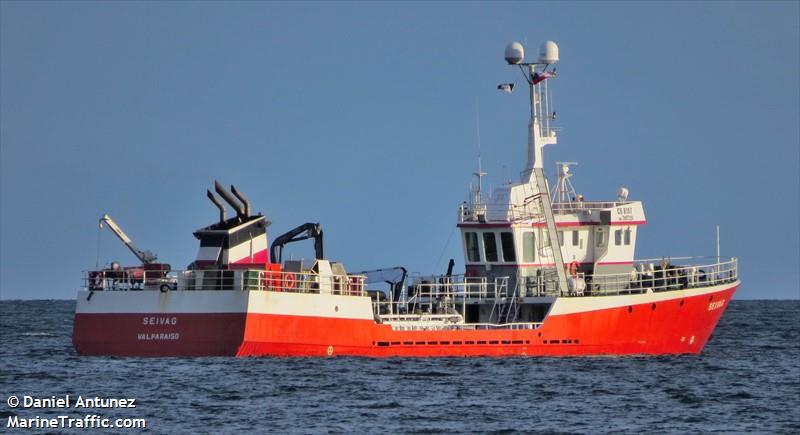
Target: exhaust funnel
(240, 196)
(229, 199)
(223, 216)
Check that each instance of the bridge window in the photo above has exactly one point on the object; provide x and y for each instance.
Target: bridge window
(471, 240)
(507, 240)
(618, 237)
(575, 238)
(627, 236)
(490, 247)
(528, 247)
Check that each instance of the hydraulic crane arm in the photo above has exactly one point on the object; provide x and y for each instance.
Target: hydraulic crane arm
(146, 257)
(305, 231)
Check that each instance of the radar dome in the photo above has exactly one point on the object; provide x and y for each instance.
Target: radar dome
(548, 52)
(515, 53)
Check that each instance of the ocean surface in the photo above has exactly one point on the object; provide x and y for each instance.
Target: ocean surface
(746, 380)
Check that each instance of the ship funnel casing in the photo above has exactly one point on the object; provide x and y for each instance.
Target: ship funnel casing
(230, 199)
(548, 53)
(240, 196)
(223, 215)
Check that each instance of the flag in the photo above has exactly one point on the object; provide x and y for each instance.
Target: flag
(506, 87)
(544, 75)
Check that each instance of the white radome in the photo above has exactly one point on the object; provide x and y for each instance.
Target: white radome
(515, 53)
(548, 52)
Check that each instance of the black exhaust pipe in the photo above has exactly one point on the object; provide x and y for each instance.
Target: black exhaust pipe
(223, 216)
(239, 195)
(229, 199)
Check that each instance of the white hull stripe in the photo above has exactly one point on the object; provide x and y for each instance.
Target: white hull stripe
(222, 301)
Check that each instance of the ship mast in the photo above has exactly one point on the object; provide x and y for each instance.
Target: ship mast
(540, 134)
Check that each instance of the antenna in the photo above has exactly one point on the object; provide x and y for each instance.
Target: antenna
(564, 192)
(478, 125)
(539, 135)
(477, 195)
(536, 74)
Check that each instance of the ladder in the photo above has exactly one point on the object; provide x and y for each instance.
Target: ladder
(500, 294)
(550, 220)
(512, 308)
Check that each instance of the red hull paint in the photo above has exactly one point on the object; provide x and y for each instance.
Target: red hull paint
(121, 334)
(673, 327)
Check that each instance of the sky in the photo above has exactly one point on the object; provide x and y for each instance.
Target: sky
(369, 118)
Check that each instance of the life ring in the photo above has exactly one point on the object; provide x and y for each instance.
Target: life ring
(289, 280)
(573, 268)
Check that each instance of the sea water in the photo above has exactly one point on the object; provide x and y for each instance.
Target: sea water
(746, 380)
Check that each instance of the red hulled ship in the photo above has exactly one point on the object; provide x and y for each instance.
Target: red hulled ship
(546, 273)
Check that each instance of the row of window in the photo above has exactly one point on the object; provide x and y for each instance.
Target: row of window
(620, 234)
(620, 237)
(492, 253)
(490, 247)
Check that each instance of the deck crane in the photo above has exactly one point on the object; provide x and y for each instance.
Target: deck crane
(149, 274)
(306, 231)
(146, 257)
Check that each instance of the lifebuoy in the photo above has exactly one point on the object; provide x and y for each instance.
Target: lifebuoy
(573, 268)
(288, 280)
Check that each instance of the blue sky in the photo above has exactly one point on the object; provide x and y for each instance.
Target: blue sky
(361, 116)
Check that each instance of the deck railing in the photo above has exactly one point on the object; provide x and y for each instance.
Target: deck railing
(530, 210)
(658, 275)
(219, 279)
(650, 275)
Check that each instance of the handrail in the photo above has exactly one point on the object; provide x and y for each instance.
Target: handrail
(531, 210)
(429, 296)
(225, 279)
(645, 275)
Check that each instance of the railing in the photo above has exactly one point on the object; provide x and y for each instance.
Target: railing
(581, 206)
(484, 212)
(477, 288)
(218, 279)
(530, 210)
(649, 276)
(441, 295)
